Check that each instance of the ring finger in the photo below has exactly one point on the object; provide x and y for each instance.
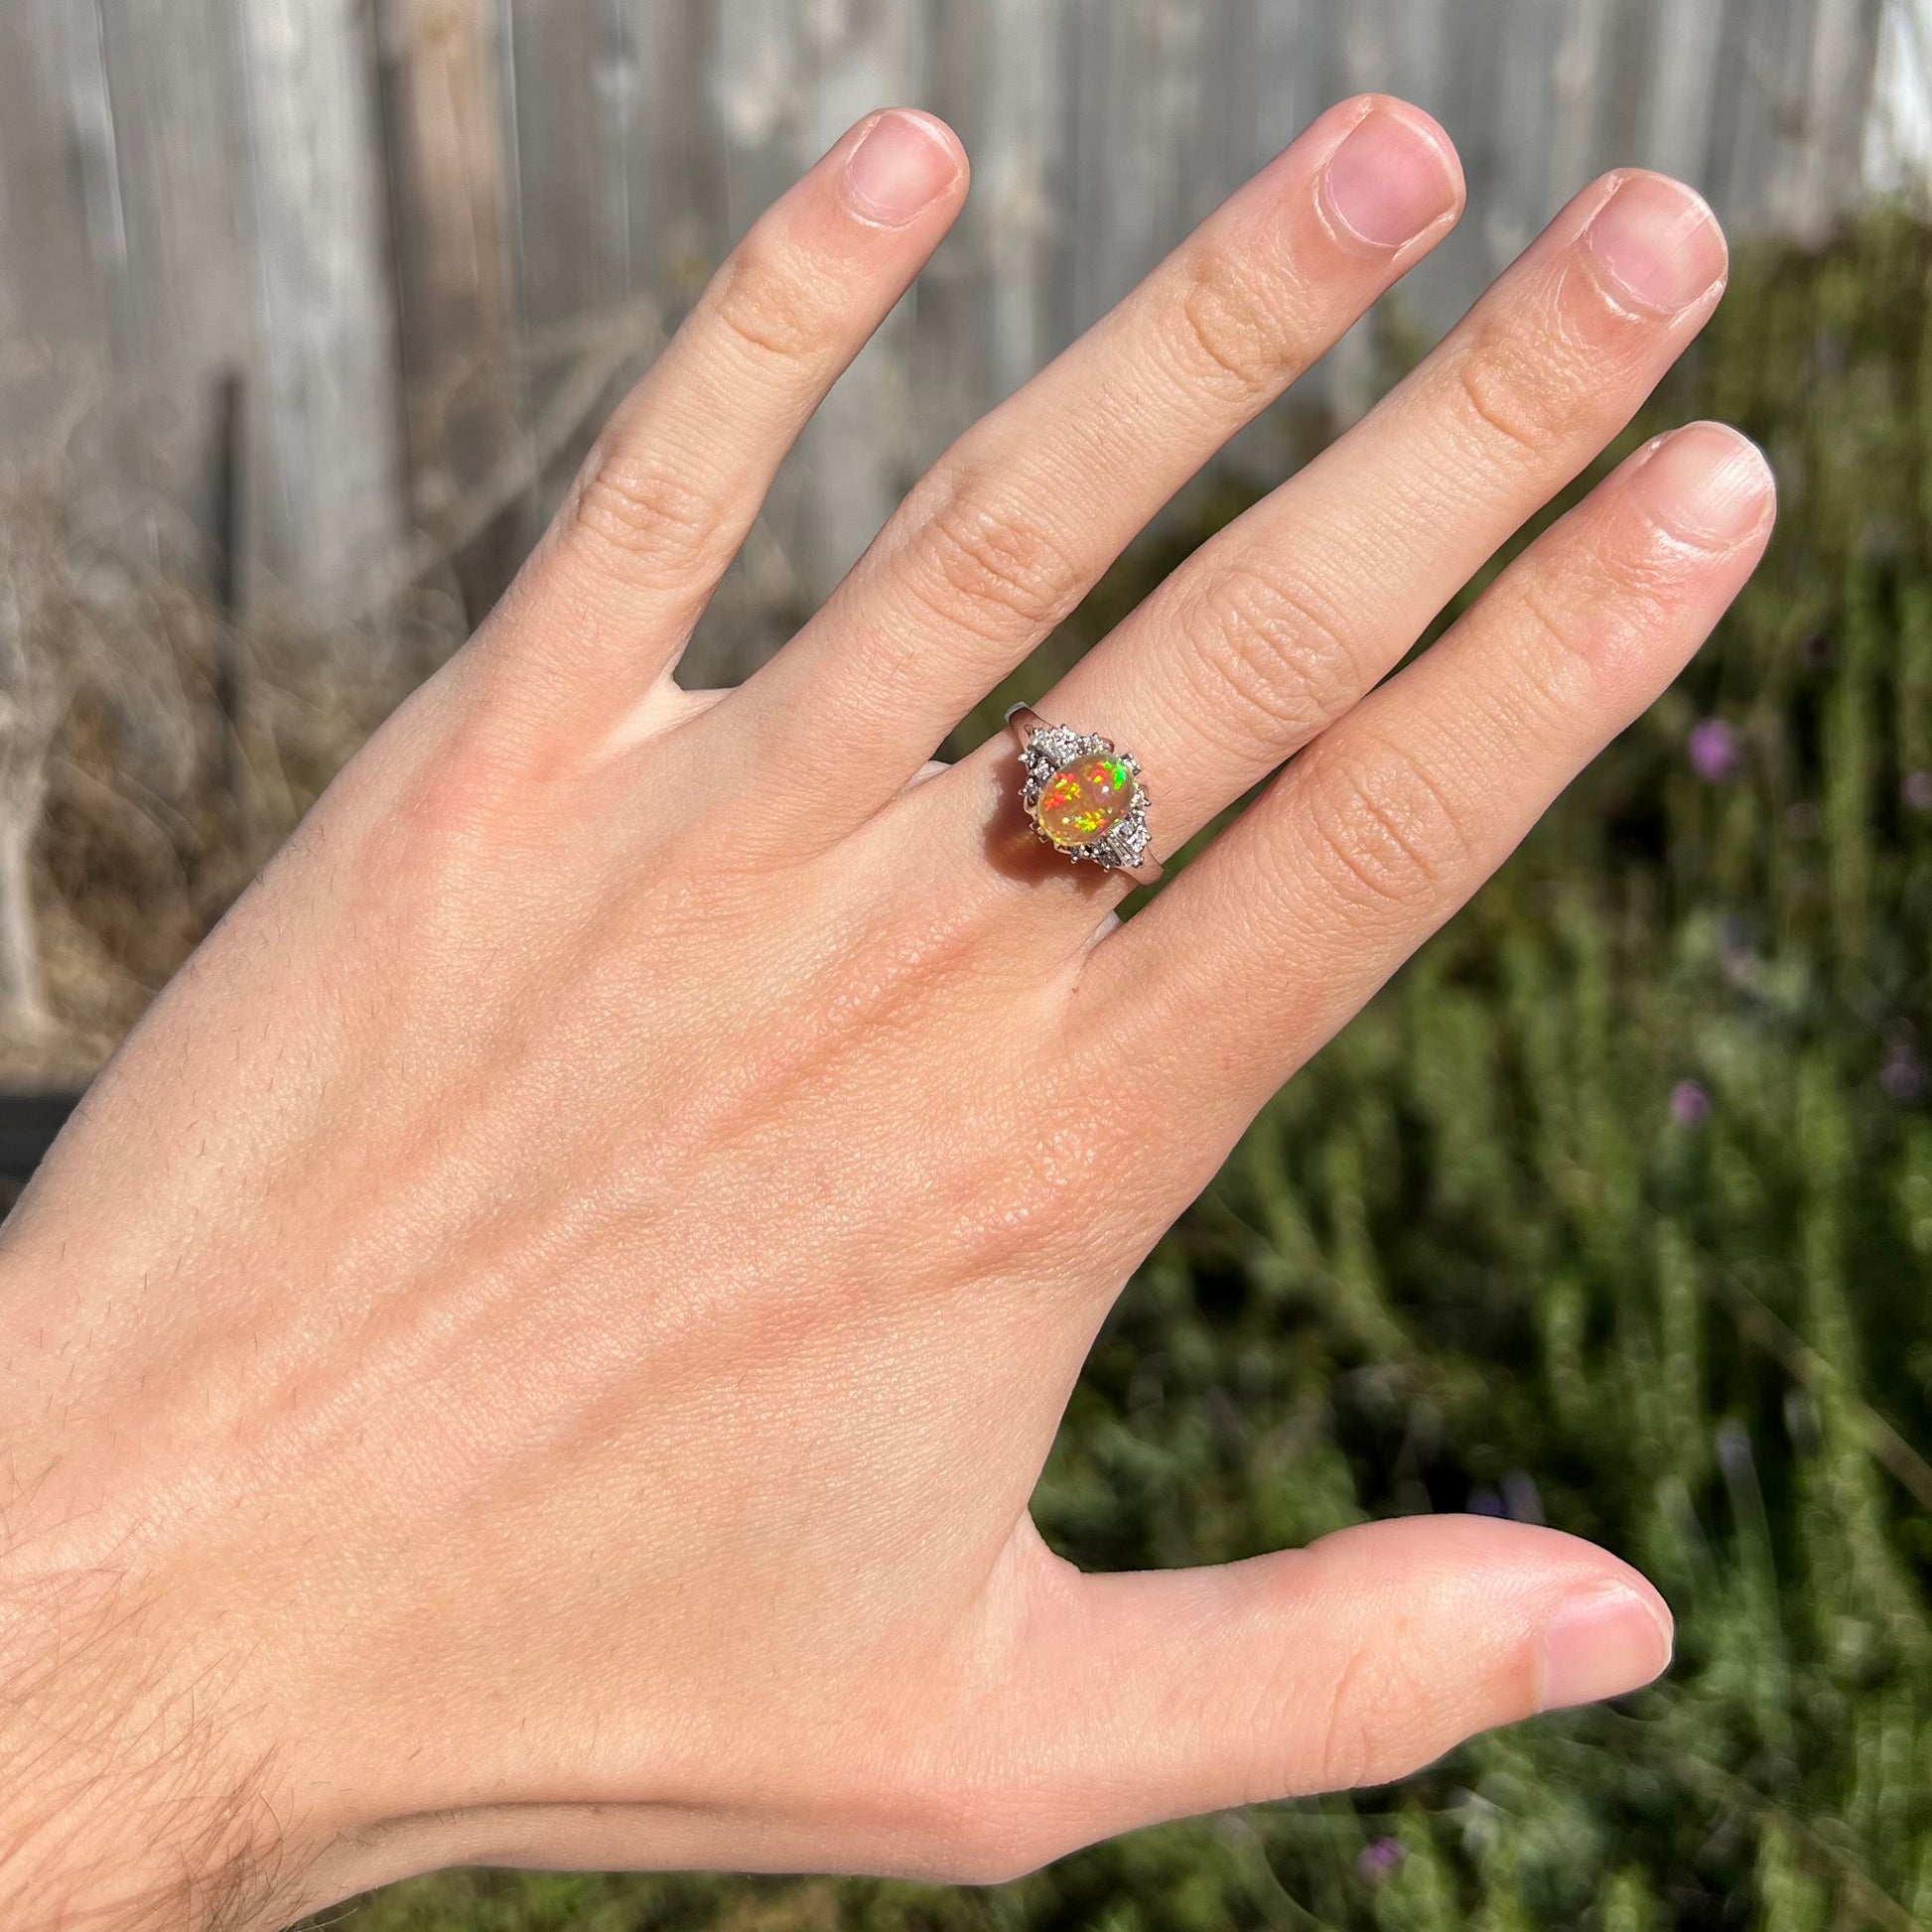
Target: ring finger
(1280, 622)
(1395, 816)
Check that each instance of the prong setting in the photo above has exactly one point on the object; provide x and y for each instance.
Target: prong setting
(1046, 752)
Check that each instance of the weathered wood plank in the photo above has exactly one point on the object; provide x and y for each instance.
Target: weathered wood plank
(332, 507)
(1771, 59)
(443, 107)
(1686, 43)
(853, 454)
(127, 248)
(675, 157)
(563, 270)
(53, 295)
(182, 293)
(1578, 149)
(1838, 95)
(549, 161)
(1020, 159)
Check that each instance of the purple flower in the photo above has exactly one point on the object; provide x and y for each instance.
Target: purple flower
(1688, 1103)
(1484, 1502)
(1715, 752)
(1380, 1858)
(1917, 791)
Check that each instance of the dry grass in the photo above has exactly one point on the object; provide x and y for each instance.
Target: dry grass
(184, 751)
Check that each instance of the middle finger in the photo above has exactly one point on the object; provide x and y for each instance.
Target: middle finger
(1021, 516)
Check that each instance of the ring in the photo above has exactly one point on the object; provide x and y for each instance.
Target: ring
(1084, 798)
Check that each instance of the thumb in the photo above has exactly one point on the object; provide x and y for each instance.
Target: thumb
(1354, 1661)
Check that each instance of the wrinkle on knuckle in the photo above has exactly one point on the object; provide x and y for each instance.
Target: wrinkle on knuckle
(1593, 319)
(1344, 1748)
(765, 307)
(1643, 562)
(1504, 399)
(1051, 1202)
(455, 797)
(1376, 1714)
(1554, 648)
(1533, 376)
(1267, 643)
(1384, 835)
(1235, 332)
(1049, 1206)
(446, 835)
(1549, 368)
(1575, 646)
(639, 511)
(990, 566)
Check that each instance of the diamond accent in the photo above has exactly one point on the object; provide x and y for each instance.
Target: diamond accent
(1049, 750)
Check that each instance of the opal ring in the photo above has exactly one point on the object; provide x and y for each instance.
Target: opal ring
(1084, 798)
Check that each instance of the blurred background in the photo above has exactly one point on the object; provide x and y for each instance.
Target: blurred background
(1615, 1211)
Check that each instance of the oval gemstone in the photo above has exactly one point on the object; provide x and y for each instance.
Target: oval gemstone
(1085, 801)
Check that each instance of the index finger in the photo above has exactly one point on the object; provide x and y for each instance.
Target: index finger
(672, 487)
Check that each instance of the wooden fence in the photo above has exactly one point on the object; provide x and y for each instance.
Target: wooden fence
(425, 241)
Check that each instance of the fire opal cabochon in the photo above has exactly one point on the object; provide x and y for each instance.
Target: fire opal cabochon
(1085, 801)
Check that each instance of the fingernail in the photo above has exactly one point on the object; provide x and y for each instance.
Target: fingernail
(1657, 244)
(1389, 181)
(1603, 1641)
(1708, 484)
(903, 164)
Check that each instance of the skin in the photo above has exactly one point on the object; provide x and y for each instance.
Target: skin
(539, 1348)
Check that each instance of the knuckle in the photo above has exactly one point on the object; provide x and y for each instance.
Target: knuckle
(1036, 1221)
(1510, 395)
(1638, 562)
(1554, 365)
(444, 839)
(993, 568)
(1383, 834)
(1561, 669)
(1343, 1747)
(1279, 665)
(635, 508)
(1543, 369)
(458, 795)
(1234, 333)
(1368, 1731)
(766, 310)
(1580, 627)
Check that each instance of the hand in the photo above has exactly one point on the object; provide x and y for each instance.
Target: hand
(539, 1347)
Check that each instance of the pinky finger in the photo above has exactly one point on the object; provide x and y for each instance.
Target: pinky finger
(1395, 816)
